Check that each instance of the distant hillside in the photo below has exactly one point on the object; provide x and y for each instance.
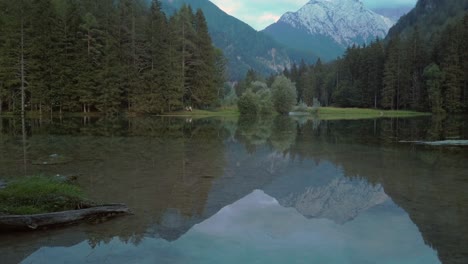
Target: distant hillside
(430, 16)
(243, 46)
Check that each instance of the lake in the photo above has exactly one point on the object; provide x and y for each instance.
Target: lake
(273, 190)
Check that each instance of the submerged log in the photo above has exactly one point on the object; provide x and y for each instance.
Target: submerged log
(38, 221)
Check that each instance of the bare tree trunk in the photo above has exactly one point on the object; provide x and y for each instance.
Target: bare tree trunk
(23, 81)
(398, 84)
(23, 130)
(152, 44)
(133, 37)
(89, 42)
(183, 61)
(375, 100)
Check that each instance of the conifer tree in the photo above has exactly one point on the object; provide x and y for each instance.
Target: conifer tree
(392, 78)
(203, 64)
(434, 78)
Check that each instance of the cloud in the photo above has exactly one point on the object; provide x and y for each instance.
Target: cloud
(261, 13)
(258, 13)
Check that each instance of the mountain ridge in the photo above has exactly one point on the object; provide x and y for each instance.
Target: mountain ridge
(328, 27)
(244, 47)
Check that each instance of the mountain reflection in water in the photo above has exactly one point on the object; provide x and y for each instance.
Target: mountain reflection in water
(272, 190)
(258, 229)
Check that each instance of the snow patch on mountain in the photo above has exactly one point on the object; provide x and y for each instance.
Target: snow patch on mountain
(347, 22)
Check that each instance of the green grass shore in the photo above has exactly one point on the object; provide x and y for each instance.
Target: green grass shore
(218, 112)
(326, 113)
(39, 194)
(331, 113)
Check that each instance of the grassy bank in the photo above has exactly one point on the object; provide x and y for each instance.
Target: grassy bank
(39, 194)
(218, 112)
(363, 113)
(323, 113)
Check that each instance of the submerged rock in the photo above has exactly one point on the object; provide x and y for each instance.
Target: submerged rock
(2, 184)
(53, 159)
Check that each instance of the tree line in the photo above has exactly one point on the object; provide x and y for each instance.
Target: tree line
(105, 56)
(405, 72)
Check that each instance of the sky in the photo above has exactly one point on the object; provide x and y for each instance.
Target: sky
(261, 13)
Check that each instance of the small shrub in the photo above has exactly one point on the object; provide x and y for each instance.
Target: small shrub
(248, 103)
(301, 108)
(316, 106)
(256, 86)
(265, 102)
(284, 94)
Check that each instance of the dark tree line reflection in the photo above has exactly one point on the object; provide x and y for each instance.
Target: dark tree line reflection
(168, 169)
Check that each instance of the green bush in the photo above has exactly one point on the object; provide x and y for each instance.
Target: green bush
(301, 108)
(284, 94)
(265, 102)
(316, 106)
(248, 104)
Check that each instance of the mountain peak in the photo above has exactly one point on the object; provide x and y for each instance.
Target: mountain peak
(341, 22)
(348, 22)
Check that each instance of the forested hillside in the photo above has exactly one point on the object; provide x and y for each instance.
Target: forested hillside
(105, 56)
(429, 16)
(425, 70)
(243, 46)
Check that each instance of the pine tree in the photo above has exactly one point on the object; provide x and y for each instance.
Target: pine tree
(15, 43)
(392, 78)
(434, 78)
(148, 96)
(451, 66)
(174, 75)
(377, 60)
(307, 80)
(417, 64)
(44, 58)
(203, 64)
(464, 59)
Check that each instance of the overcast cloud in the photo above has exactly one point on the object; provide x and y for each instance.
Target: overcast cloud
(261, 13)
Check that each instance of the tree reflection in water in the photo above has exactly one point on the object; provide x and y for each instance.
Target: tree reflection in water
(175, 173)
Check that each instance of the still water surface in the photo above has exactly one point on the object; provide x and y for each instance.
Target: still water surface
(276, 190)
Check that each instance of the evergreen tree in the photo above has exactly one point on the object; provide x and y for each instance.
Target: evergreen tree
(417, 64)
(204, 88)
(392, 75)
(148, 96)
(451, 65)
(434, 78)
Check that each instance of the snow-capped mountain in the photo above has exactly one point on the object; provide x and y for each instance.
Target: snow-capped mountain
(329, 26)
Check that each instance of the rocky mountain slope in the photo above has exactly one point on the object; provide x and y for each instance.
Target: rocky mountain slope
(243, 46)
(327, 27)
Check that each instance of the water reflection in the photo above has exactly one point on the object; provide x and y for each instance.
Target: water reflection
(342, 186)
(258, 229)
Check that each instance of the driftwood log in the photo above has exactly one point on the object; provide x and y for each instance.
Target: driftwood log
(38, 221)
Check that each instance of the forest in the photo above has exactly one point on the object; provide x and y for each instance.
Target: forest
(105, 56)
(406, 71)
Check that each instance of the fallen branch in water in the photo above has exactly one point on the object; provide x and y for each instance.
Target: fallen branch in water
(38, 221)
